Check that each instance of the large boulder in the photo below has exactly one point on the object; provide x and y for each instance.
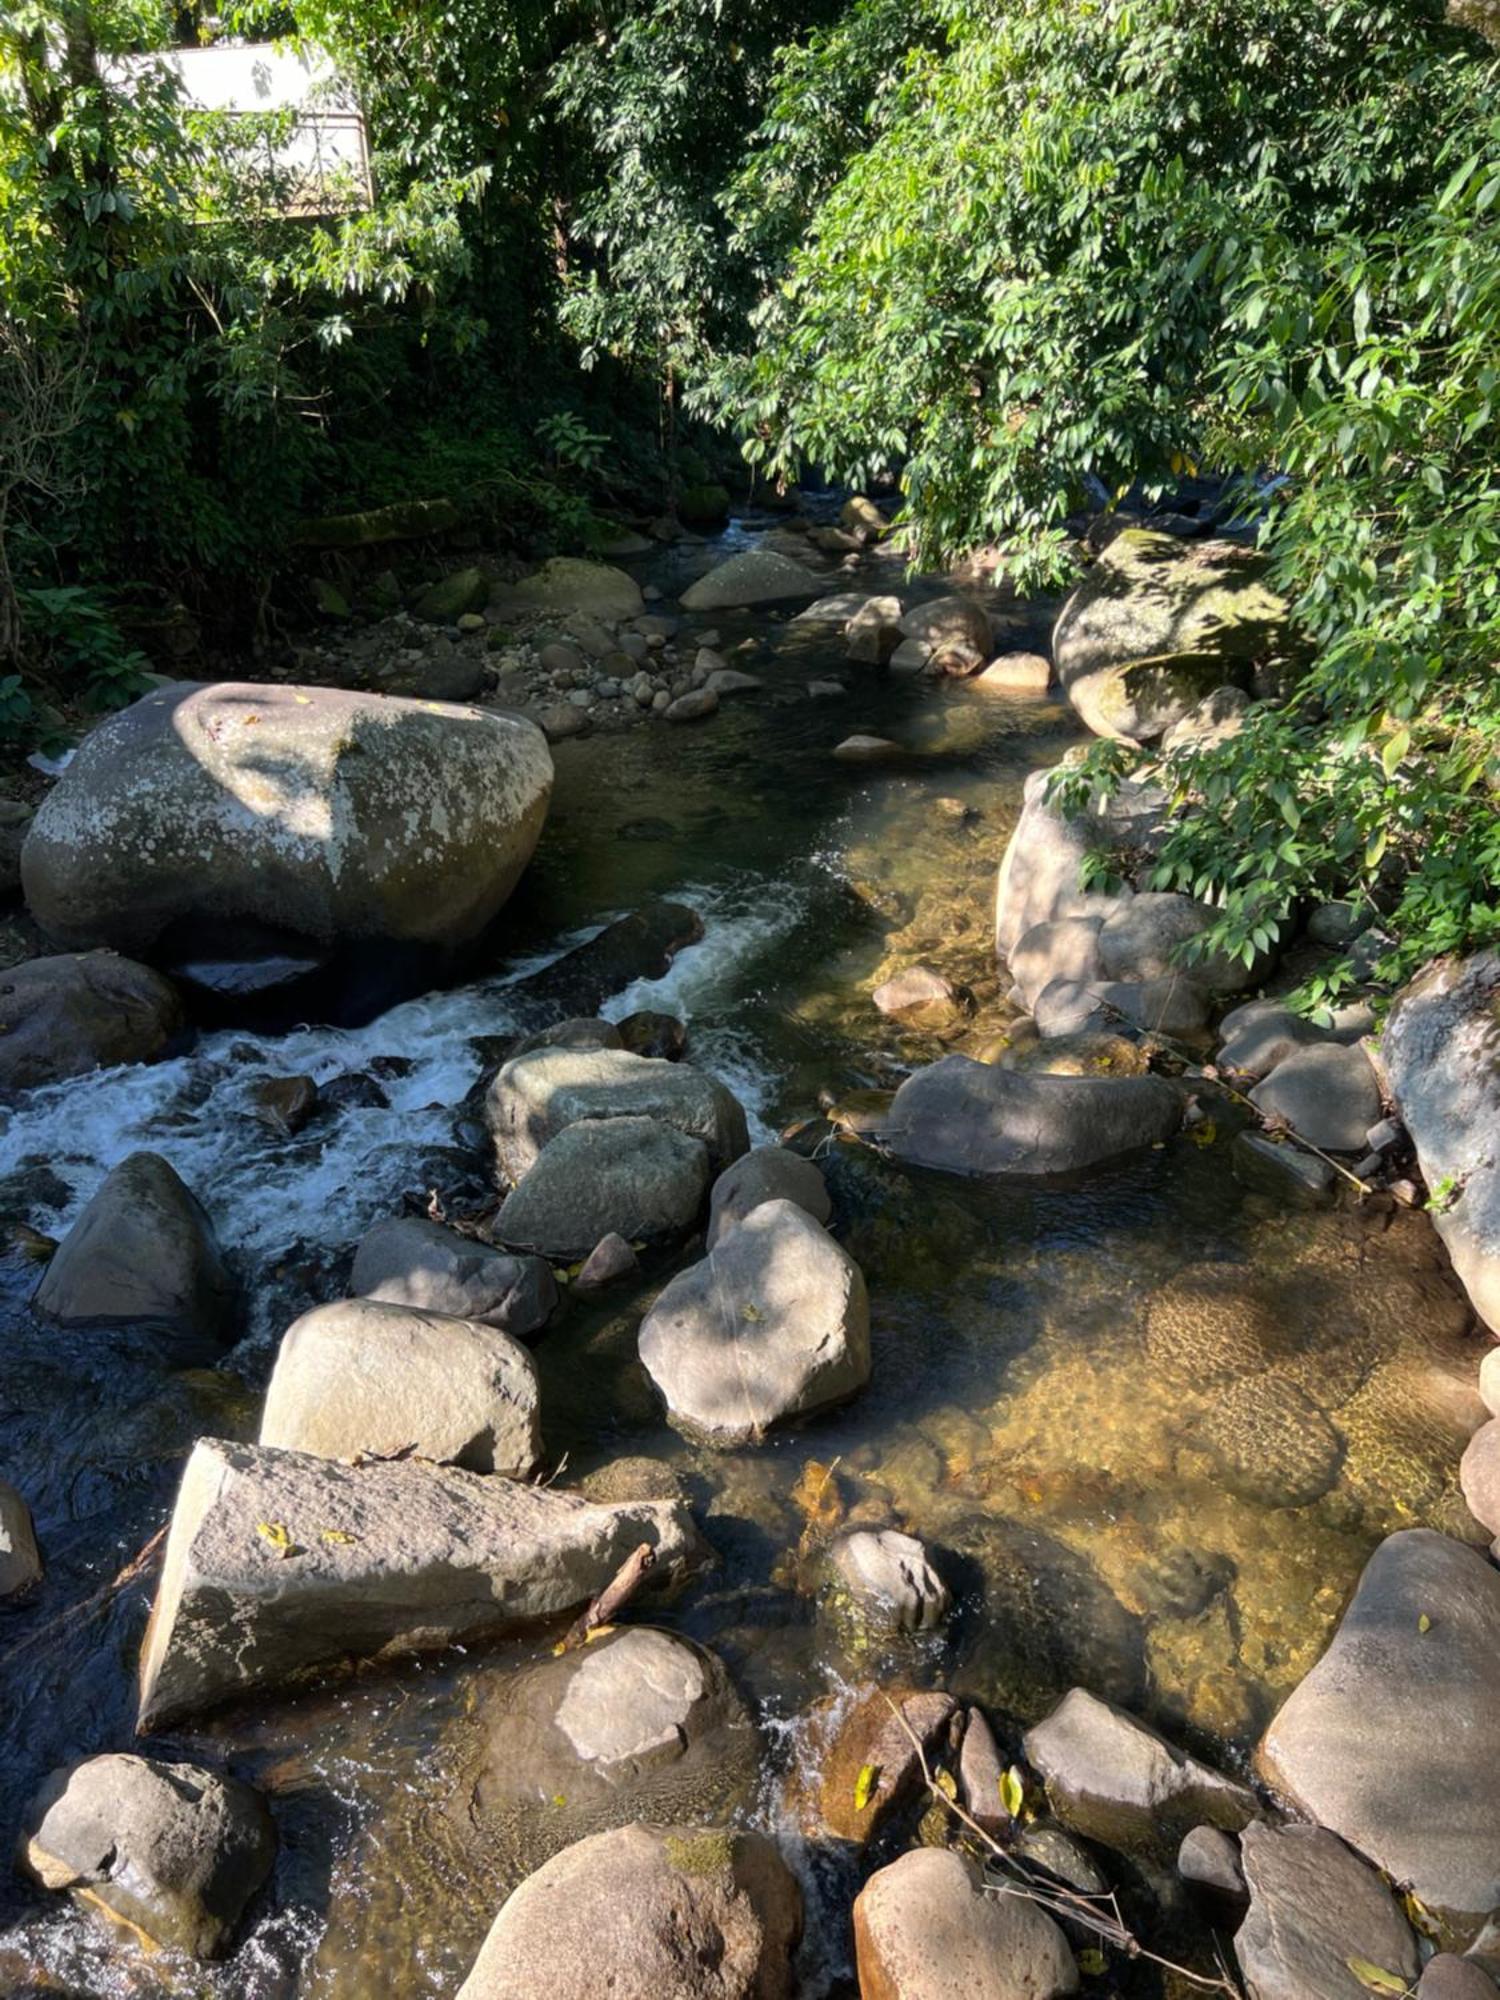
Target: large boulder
(360, 1377)
(945, 625)
(409, 1261)
(20, 1559)
(1327, 1092)
(572, 584)
(1438, 1049)
(1158, 624)
(765, 1173)
(1065, 949)
(967, 1117)
(925, 1928)
(1113, 1780)
(647, 1913)
(142, 1253)
(320, 811)
(1319, 1921)
(537, 1095)
(1393, 1737)
(1039, 878)
(774, 1323)
(279, 1565)
(173, 1852)
(90, 1010)
(1147, 939)
(596, 1722)
(755, 576)
(639, 1179)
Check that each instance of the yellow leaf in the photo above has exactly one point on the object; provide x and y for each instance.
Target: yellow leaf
(559, 1798)
(947, 1784)
(337, 1535)
(303, 700)
(752, 1313)
(1376, 1977)
(1424, 1623)
(276, 1534)
(1395, 749)
(1204, 1132)
(1012, 1792)
(864, 1785)
(1091, 1961)
(598, 1632)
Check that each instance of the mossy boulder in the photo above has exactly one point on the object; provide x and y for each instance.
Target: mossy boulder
(1158, 624)
(445, 601)
(705, 505)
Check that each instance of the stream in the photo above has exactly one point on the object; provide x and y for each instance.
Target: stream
(1153, 1422)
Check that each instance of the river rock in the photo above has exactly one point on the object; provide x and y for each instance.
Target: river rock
(1039, 876)
(966, 1117)
(693, 706)
(359, 1377)
(536, 1095)
(1066, 949)
(1438, 1052)
(649, 1033)
(322, 811)
(610, 1261)
(142, 1253)
(1158, 624)
(1328, 1094)
(20, 1559)
(283, 1103)
(1066, 1009)
(1210, 1859)
(639, 946)
(81, 1011)
(884, 1582)
(1143, 940)
(755, 576)
(594, 591)
(861, 517)
(1016, 673)
(925, 1929)
(862, 749)
(1407, 1687)
(981, 1770)
(447, 600)
(871, 1736)
(945, 624)
(1113, 1780)
(921, 997)
(1282, 1170)
(279, 1564)
(1262, 1033)
(874, 632)
(172, 1851)
(409, 1261)
(639, 1178)
(1214, 720)
(598, 1720)
(1314, 1908)
(766, 1173)
(774, 1323)
(1173, 1005)
(1448, 1978)
(647, 1913)
(1489, 1380)
(729, 680)
(1479, 1475)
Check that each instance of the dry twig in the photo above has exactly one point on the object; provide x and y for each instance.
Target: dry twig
(626, 1581)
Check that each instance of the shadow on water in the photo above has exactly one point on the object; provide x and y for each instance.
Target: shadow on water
(1152, 1425)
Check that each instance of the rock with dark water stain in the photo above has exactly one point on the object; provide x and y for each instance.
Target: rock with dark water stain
(409, 1261)
(62, 1016)
(284, 1103)
(639, 946)
(925, 1928)
(143, 1254)
(968, 1117)
(1319, 1920)
(279, 1565)
(172, 1852)
(648, 1033)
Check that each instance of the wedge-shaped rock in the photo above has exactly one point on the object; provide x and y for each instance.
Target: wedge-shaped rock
(774, 1323)
(537, 1095)
(409, 1261)
(279, 1565)
(967, 1117)
(1320, 1924)
(635, 1178)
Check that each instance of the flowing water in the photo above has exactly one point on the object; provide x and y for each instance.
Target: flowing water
(1154, 1423)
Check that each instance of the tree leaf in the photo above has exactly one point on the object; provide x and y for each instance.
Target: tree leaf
(1012, 1792)
(276, 1533)
(864, 1785)
(1376, 1977)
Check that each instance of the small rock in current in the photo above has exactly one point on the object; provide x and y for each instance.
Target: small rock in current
(610, 1260)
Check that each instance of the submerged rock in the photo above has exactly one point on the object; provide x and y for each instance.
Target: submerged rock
(1016, 673)
(361, 1377)
(1113, 1780)
(968, 1117)
(1316, 1914)
(921, 997)
(331, 813)
(143, 1253)
(636, 1178)
(773, 1324)
(535, 1096)
(1158, 625)
(647, 1913)
(1393, 1737)
(173, 1852)
(755, 576)
(409, 1261)
(62, 1016)
(279, 1564)
(20, 1559)
(925, 1929)
(765, 1173)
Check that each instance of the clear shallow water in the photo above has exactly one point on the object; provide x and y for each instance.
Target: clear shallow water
(1153, 1424)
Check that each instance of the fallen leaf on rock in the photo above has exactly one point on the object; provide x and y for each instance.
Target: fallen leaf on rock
(1376, 1977)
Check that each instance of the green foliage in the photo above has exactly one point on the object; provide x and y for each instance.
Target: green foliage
(569, 442)
(75, 631)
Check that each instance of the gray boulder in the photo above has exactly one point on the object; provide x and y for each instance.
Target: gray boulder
(573, 586)
(1039, 878)
(638, 1178)
(1146, 939)
(1172, 1005)
(1016, 673)
(1316, 1914)
(597, 1721)
(1327, 1093)
(1438, 1052)
(1479, 1475)
(1113, 1780)
(359, 1377)
(1210, 1859)
(647, 1913)
(950, 624)
(1158, 624)
(874, 632)
(774, 1323)
(755, 576)
(322, 811)
(535, 1096)
(921, 997)
(967, 1117)
(279, 1565)
(173, 1852)
(926, 1929)
(1407, 1688)
(20, 1559)
(1282, 1170)
(884, 1582)
(1215, 719)
(1065, 948)
(443, 602)
(1262, 1033)
(1066, 1008)
(765, 1173)
(409, 1261)
(609, 1262)
(142, 1253)
(62, 1016)
(1448, 1978)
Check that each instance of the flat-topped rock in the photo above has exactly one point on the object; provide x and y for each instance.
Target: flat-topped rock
(636, 1178)
(535, 1096)
(969, 1117)
(1327, 1093)
(279, 1565)
(409, 1261)
(755, 576)
(1317, 1915)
